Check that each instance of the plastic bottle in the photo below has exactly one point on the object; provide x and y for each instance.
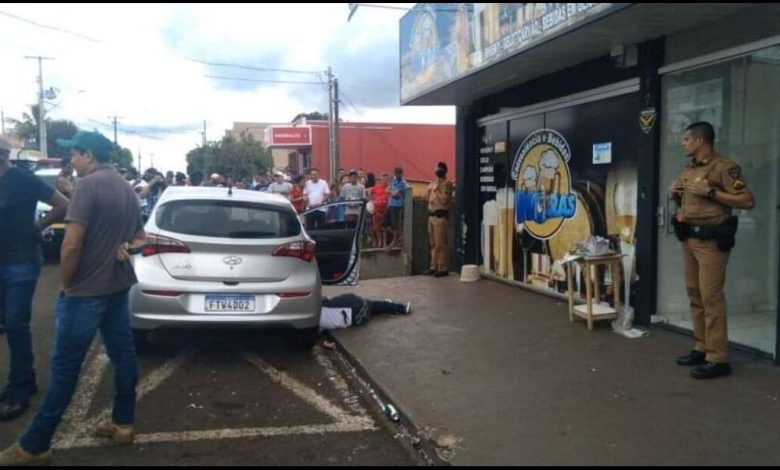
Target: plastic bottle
(391, 412)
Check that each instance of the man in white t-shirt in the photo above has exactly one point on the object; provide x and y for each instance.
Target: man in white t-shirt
(316, 191)
(279, 186)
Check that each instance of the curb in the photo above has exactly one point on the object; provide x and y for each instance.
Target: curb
(425, 449)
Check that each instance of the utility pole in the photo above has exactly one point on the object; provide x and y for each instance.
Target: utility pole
(114, 119)
(331, 146)
(335, 125)
(2, 118)
(41, 112)
(204, 133)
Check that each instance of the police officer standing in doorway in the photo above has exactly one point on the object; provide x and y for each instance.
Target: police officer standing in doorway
(706, 192)
(439, 202)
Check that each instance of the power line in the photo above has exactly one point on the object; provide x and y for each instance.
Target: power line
(349, 101)
(189, 59)
(124, 131)
(380, 6)
(54, 28)
(264, 81)
(371, 5)
(248, 67)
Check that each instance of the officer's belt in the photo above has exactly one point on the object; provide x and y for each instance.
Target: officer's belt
(439, 213)
(703, 232)
(723, 234)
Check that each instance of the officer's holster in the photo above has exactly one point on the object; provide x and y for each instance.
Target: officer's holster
(724, 234)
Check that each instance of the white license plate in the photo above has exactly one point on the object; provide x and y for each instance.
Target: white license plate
(229, 303)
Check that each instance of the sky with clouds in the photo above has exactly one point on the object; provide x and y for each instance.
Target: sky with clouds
(145, 64)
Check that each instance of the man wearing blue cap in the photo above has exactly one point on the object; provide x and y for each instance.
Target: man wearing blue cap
(104, 224)
(20, 266)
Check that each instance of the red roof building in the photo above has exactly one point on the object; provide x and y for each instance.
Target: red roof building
(374, 147)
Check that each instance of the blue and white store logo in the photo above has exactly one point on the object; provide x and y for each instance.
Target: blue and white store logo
(543, 190)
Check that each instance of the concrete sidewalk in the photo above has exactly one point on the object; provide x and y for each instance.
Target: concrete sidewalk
(503, 370)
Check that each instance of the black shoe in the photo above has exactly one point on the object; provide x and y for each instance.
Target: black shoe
(12, 409)
(441, 274)
(695, 358)
(711, 370)
(429, 272)
(4, 394)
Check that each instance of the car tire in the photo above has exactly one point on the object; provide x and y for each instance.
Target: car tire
(141, 339)
(307, 338)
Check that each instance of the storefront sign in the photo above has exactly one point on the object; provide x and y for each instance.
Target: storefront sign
(543, 189)
(293, 136)
(602, 153)
(441, 42)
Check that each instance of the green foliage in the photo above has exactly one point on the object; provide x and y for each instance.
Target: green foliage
(238, 158)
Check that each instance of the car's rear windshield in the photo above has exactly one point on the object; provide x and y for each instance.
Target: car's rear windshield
(227, 219)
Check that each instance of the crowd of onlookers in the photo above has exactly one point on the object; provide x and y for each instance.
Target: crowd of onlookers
(383, 194)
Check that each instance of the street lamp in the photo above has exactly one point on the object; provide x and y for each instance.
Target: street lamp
(57, 105)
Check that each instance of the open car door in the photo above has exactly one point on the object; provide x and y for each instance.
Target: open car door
(337, 229)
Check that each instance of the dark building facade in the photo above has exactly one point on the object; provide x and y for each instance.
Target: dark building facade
(569, 124)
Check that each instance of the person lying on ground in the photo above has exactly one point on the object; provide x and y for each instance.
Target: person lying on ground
(348, 310)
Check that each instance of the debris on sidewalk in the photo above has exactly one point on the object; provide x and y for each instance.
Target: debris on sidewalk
(329, 344)
(446, 444)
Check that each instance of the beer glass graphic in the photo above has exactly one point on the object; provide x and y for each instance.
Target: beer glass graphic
(549, 181)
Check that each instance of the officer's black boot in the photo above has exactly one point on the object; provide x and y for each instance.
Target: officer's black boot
(695, 358)
(711, 370)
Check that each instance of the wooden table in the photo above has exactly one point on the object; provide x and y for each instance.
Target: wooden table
(592, 310)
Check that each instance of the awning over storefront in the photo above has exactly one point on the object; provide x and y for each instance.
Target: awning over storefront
(561, 37)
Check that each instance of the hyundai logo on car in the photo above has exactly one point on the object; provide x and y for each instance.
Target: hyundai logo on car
(232, 260)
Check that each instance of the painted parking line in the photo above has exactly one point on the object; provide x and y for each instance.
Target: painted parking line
(77, 426)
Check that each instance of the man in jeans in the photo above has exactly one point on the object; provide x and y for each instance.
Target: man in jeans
(353, 191)
(103, 217)
(20, 266)
(394, 215)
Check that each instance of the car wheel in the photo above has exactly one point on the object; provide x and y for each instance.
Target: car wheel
(308, 338)
(141, 339)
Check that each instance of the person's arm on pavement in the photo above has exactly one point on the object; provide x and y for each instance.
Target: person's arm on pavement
(71, 252)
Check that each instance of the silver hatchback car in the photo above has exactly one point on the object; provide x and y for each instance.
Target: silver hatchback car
(220, 257)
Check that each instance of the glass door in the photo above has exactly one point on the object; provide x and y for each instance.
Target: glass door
(741, 99)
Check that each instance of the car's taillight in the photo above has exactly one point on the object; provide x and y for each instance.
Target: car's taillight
(157, 244)
(301, 250)
(293, 295)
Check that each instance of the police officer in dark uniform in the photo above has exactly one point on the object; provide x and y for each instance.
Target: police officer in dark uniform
(706, 192)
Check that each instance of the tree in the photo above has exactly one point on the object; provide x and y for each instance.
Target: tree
(238, 158)
(27, 128)
(121, 157)
(58, 130)
(28, 131)
(315, 116)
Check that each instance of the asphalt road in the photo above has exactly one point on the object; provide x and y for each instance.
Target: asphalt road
(217, 398)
